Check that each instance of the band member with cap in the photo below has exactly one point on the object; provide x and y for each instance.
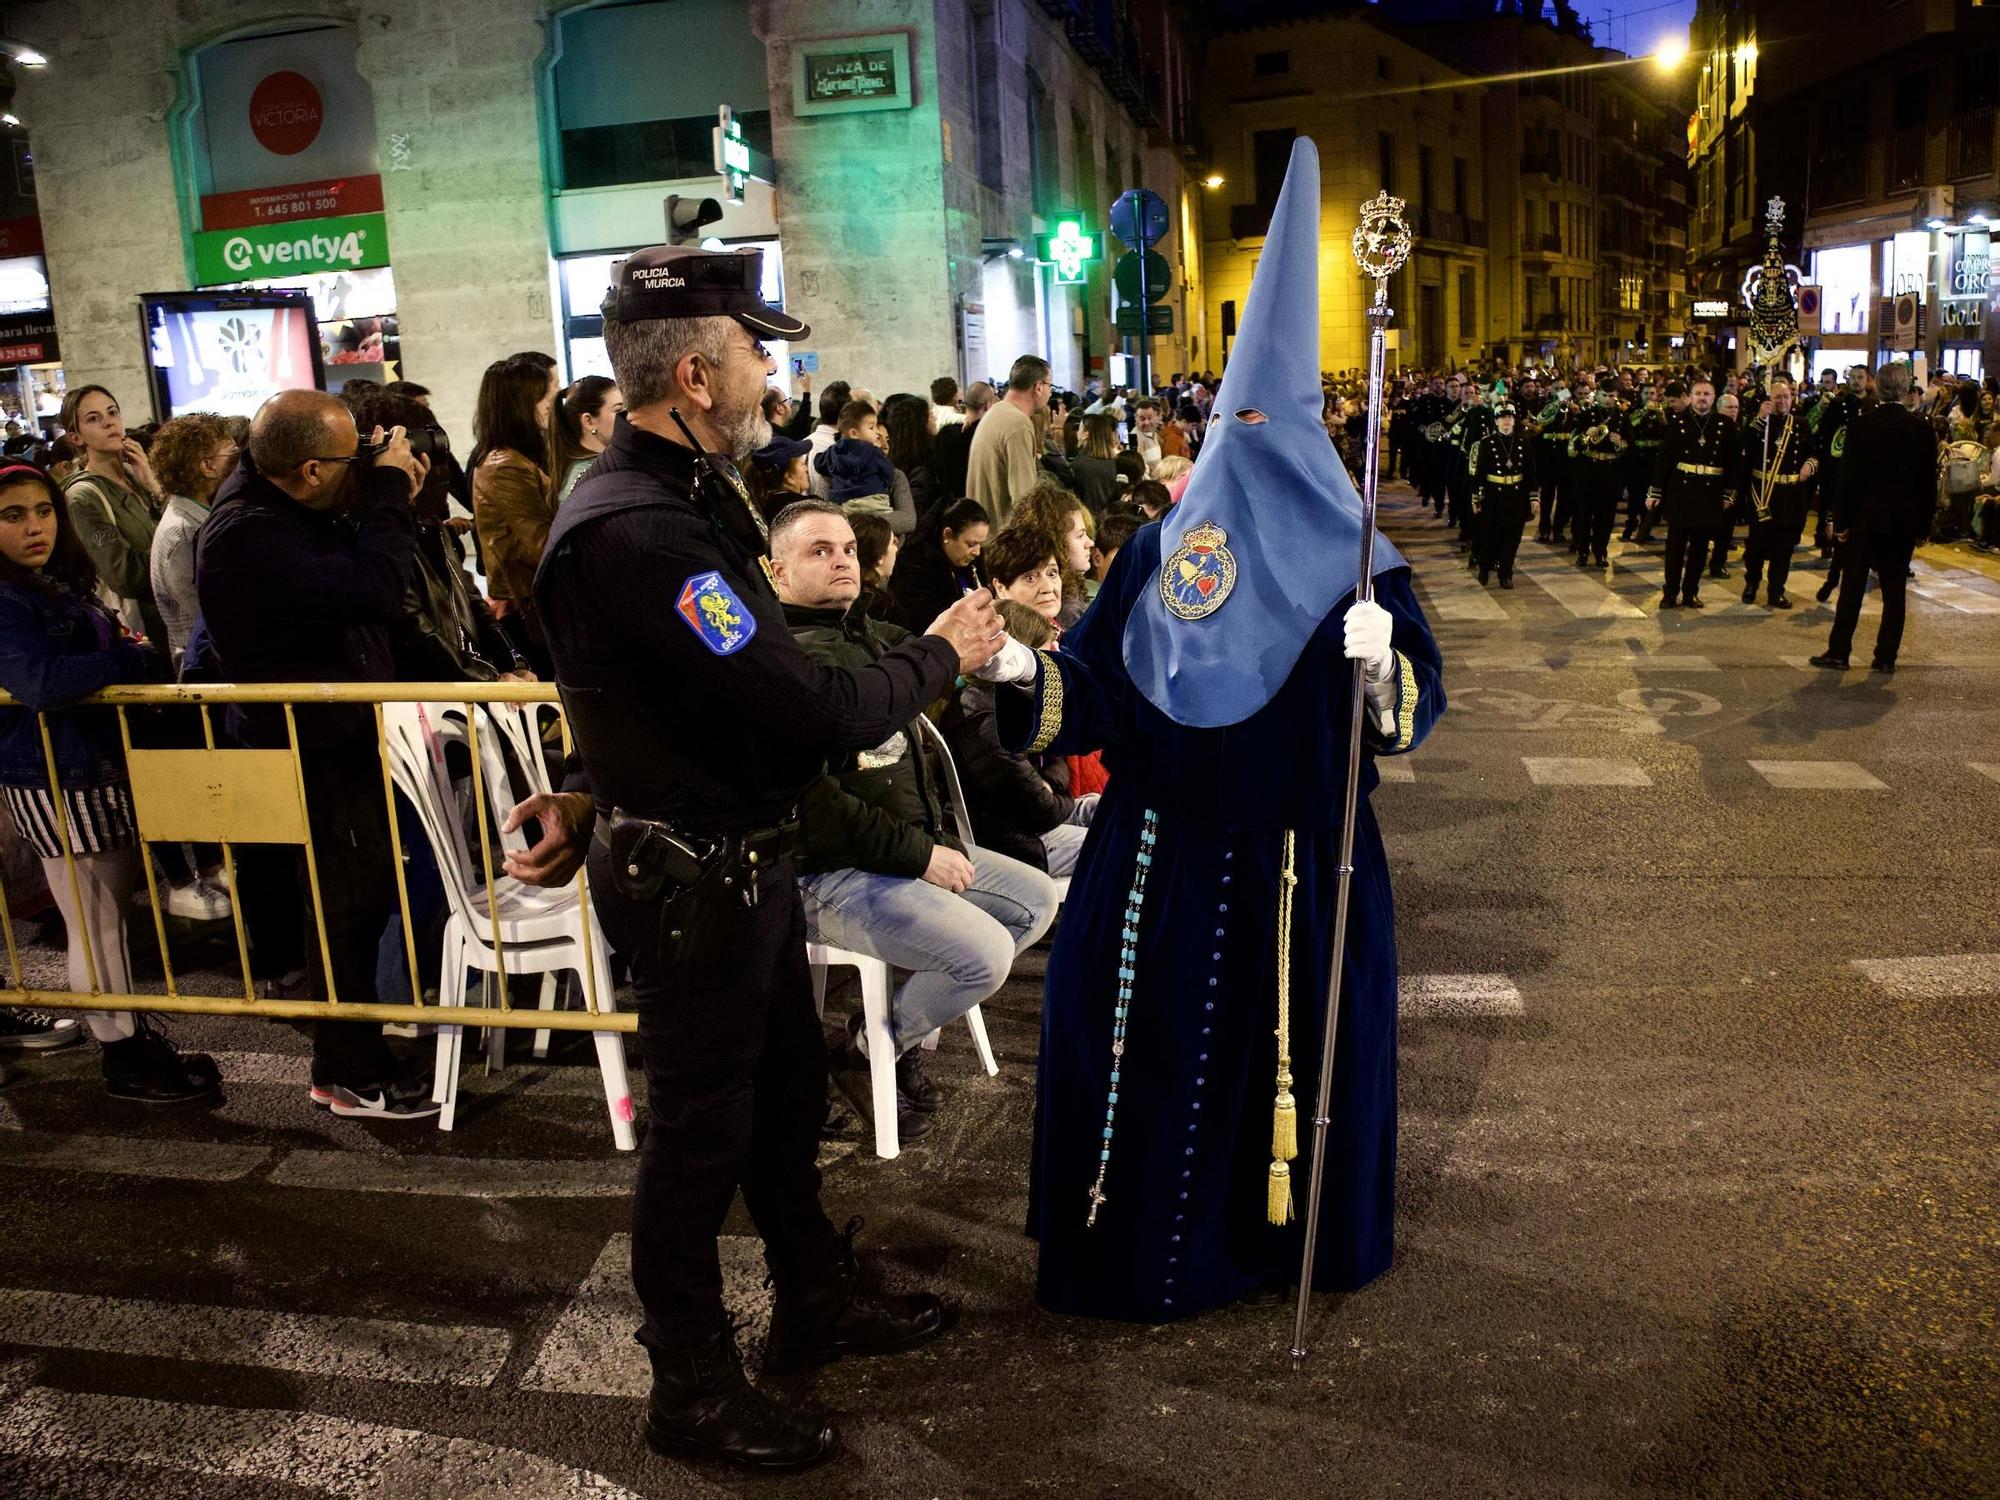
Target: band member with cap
(1187, 987)
(1779, 463)
(1597, 480)
(1503, 478)
(1694, 487)
(698, 721)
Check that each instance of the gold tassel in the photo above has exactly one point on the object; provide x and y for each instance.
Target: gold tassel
(1278, 1200)
(1285, 1123)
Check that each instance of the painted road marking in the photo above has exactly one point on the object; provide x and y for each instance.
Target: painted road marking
(1457, 995)
(455, 1177)
(1945, 978)
(1455, 595)
(301, 1343)
(590, 1350)
(125, 1156)
(331, 1456)
(1817, 776)
(1986, 768)
(1581, 594)
(1520, 661)
(1395, 768)
(1668, 662)
(1930, 583)
(1583, 771)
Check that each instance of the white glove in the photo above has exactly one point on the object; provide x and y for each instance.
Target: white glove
(1014, 662)
(1368, 628)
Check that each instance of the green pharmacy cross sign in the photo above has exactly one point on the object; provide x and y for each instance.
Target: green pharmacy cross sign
(1071, 249)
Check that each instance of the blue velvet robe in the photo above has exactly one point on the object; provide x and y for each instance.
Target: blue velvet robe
(1183, 1226)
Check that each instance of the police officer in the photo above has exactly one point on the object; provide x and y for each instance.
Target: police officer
(1596, 456)
(1502, 488)
(1779, 463)
(697, 721)
(1694, 487)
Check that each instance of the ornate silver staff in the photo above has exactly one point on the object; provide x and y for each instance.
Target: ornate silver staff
(1381, 245)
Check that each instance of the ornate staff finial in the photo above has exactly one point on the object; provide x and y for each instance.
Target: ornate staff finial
(1770, 291)
(1381, 241)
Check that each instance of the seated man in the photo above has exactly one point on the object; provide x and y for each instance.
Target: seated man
(882, 871)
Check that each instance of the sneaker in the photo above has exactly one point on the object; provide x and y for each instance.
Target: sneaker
(147, 1068)
(37, 1031)
(406, 1099)
(198, 901)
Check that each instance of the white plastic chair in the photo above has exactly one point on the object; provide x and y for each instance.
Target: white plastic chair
(542, 931)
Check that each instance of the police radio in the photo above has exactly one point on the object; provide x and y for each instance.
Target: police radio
(721, 490)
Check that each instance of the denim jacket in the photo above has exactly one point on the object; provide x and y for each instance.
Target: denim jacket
(57, 647)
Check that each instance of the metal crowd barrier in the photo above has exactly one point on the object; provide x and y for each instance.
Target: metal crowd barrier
(228, 796)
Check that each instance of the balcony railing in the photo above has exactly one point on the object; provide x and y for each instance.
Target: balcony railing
(1969, 145)
(1454, 228)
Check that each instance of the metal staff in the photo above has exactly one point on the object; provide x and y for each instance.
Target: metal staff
(1381, 245)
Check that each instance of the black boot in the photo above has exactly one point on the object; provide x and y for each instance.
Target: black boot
(822, 1313)
(703, 1405)
(148, 1069)
(849, 1072)
(915, 1085)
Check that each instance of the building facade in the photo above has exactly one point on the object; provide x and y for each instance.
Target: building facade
(453, 179)
(1369, 100)
(1876, 125)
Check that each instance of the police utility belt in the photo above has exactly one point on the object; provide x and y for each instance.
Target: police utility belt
(652, 860)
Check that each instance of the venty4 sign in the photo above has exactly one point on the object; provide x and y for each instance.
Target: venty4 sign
(300, 248)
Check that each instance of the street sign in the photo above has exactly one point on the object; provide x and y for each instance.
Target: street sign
(1139, 217)
(732, 153)
(1159, 276)
(1809, 310)
(1159, 320)
(1071, 250)
(1903, 335)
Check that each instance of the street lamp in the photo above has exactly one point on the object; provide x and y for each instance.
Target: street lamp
(1212, 180)
(26, 56)
(1670, 54)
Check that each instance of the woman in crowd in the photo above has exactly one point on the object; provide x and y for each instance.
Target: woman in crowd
(1153, 498)
(513, 504)
(1051, 508)
(58, 644)
(192, 455)
(114, 503)
(1096, 463)
(1020, 805)
(1173, 471)
(941, 562)
(579, 428)
(1026, 566)
(778, 473)
(911, 427)
(875, 549)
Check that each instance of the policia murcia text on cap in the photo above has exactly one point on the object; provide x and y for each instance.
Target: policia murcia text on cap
(698, 722)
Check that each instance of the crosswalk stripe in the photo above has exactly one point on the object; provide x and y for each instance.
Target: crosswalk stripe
(301, 1343)
(1395, 768)
(1579, 593)
(1947, 977)
(1457, 995)
(1583, 771)
(590, 1352)
(1986, 768)
(1930, 583)
(1818, 776)
(1455, 595)
(331, 1456)
(454, 1177)
(127, 1156)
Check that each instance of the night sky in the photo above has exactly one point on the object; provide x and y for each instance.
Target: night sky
(1636, 25)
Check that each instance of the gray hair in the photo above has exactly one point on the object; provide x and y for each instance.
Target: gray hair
(1029, 371)
(292, 427)
(645, 352)
(1892, 380)
(794, 515)
(980, 395)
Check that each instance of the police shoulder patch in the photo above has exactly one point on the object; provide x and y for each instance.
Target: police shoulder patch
(713, 612)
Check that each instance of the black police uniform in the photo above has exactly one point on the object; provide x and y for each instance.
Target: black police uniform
(1597, 482)
(698, 721)
(1502, 485)
(1695, 482)
(1776, 452)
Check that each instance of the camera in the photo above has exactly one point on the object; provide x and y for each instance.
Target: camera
(425, 442)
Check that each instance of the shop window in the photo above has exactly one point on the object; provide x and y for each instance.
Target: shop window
(1843, 276)
(622, 118)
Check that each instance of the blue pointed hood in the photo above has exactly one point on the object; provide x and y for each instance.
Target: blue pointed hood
(1267, 539)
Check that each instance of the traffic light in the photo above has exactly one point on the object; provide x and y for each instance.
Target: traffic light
(687, 217)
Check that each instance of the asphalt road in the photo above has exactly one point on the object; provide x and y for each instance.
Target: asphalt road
(1700, 1063)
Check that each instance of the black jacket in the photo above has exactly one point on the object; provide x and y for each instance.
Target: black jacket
(1888, 475)
(951, 452)
(870, 812)
(290, 594)
(925, 585)
(1012, 799)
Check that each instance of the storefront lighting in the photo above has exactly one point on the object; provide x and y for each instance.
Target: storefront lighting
(1979, 221)
(1937, 224)
(1015, 252)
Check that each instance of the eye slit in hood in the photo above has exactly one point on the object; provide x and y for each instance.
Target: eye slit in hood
(1251, 417)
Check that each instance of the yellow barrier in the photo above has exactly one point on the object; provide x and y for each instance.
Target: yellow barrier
(231, 796)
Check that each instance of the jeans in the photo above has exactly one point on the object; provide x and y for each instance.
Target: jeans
(960, 948)
(1061, 845)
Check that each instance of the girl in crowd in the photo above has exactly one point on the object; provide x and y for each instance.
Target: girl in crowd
(579, 428)
(114, 500)
(941, 562)
(1096, 463)
(875, 548)
(192, 455)
(513, 503)
(1051, 508)
(911, 426)
(58, 644)
(779, 473)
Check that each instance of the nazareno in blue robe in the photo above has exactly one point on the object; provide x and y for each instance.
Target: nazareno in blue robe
(1183, 1226)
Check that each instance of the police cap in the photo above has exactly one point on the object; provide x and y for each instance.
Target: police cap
(675, 281)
